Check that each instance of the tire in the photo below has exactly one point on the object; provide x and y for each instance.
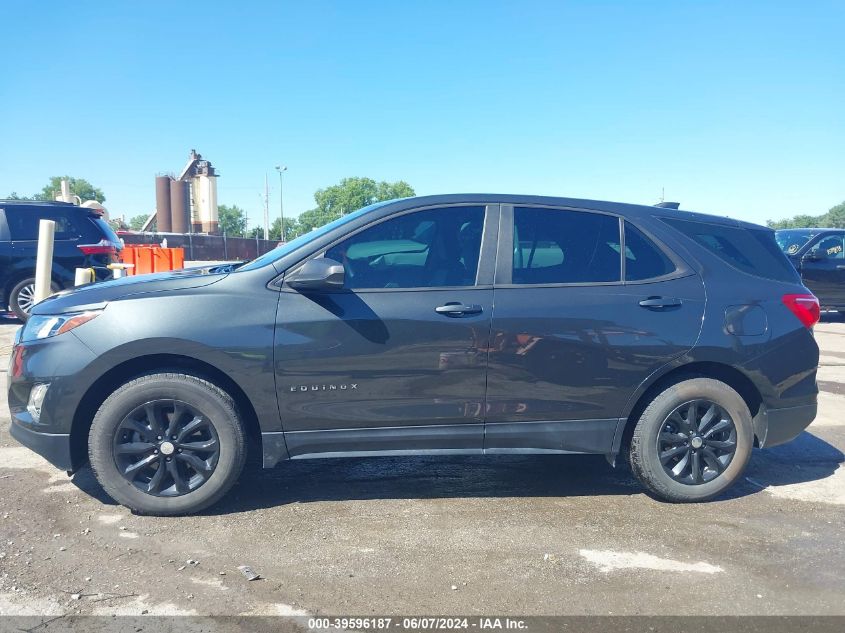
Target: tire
(663, 438)
(20, 297)
(199, 461)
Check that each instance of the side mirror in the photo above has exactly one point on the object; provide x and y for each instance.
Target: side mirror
(321, 273)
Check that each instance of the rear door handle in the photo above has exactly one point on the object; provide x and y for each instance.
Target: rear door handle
(457, 309)
(657, 303)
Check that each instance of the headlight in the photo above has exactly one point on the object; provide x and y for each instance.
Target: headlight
(43, 326)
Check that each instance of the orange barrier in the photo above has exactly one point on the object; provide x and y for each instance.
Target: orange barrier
(152, 259)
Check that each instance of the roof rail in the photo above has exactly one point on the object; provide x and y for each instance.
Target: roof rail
(668, 205)
(40, 203)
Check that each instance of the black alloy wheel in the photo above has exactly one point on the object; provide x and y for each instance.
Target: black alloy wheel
(166, 448)
(697, 442)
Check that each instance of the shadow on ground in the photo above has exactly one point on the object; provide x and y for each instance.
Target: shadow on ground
(806, 459)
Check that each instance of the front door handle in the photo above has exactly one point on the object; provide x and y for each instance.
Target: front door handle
(658, 303)
(458, 309)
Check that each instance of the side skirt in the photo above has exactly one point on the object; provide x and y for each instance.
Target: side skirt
(600, 437)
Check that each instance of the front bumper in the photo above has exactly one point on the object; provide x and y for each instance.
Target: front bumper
(778, 426)
(54, 447)
(60, 361)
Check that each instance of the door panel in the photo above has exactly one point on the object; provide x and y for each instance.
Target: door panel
(824, 273)
(380, 359)
(579, 352)
(397, 360)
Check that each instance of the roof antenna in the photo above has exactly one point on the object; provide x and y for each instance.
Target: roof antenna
(666, 205)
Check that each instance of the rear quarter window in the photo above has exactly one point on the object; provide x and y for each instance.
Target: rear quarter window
(753, 251)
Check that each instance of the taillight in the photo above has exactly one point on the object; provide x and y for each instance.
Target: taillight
(103, 247)
(805, 307)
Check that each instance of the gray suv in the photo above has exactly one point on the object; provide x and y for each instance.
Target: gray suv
(468, 324)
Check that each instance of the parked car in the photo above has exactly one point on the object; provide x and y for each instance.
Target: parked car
(819, 256)
(471, 324)
(82, 240)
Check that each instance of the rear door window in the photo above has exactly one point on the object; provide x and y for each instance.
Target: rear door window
(557, 246)
(753, 251)
(643, 258)
(23, 223)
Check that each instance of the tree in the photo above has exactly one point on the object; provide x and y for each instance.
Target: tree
(255, 231)
(798, 222)
(834, 218)
(14, 196)
(349, 195)
(136, 223)
(232, 220)
(79, 186)
(291, 229)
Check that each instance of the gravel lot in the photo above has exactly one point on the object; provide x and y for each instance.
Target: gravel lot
(508, 535)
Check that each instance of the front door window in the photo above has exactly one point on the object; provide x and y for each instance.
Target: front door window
(435, 248)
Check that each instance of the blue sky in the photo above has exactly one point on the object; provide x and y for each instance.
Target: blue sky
(735, 108)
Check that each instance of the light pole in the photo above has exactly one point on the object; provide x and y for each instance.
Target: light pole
(281, 170)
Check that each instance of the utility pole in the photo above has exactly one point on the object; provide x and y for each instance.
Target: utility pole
(266, 207)
(281, 169)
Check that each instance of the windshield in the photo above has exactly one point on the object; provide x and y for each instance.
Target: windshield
(302, 240)
(791, 240)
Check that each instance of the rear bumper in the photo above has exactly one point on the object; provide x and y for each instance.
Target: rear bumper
(778, 426)
(54, 447)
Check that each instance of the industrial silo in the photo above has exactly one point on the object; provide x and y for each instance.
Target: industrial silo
(163, 209)
(180, 206)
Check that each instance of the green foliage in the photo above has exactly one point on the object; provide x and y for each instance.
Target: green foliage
(79, 186)
(137, 222)
(14, 196)
(834, 218)
(798, 222)
(291, 229)
(349, 195)
(232, 220)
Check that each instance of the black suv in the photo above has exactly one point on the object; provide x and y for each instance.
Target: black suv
(82, 240)
(819, 256)
(471, 324)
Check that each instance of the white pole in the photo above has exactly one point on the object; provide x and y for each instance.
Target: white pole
(82, 276)
(266, 208)
(44, 259)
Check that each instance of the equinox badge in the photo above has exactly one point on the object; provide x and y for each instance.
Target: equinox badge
(350, 387)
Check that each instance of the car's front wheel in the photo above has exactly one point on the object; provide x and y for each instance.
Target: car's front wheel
(692, 441)
(167, 444)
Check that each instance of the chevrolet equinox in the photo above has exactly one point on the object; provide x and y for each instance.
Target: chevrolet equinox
(455, 324)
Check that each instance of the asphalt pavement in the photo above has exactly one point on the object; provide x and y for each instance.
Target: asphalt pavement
(461, 535)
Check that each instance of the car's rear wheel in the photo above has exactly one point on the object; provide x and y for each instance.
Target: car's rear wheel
(22, 297)
(167, 444)
(692, 441)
